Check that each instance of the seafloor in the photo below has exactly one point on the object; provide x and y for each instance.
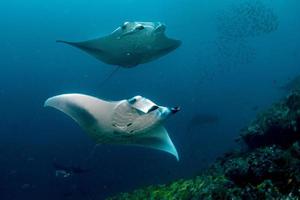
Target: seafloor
(269, 168)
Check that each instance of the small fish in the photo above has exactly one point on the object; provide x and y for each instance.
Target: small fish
(255, 108)
(67, 171)
(25, 186)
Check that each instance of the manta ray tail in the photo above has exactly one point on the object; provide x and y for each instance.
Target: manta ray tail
(110, 76)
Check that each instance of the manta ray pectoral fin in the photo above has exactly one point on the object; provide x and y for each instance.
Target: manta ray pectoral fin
(66, 42)
(94, 48)
(74, 44)
(71, 104)
(90, 46)
(86, 110)
(157, 138)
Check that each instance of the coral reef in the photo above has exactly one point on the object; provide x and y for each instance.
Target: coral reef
(268, 169)
(292, 84)
(278, 125)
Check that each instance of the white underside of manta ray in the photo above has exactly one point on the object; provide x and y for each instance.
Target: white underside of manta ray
(136, 121)
(129, 45)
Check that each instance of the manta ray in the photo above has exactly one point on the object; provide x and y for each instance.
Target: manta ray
(135, 121)
(131, 44)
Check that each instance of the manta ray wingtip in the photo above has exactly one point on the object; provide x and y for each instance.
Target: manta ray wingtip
(60, 41)
(65, 42)
(46, 103)
(175, 153)
(49, 102)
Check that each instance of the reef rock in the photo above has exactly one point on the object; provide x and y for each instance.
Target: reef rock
(278, 125)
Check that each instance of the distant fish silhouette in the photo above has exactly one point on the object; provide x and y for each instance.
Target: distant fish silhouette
(131, 44)
(135, 121)
(255, 108)
(200, 120)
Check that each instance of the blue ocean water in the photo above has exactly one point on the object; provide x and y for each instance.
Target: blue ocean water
(197, 77)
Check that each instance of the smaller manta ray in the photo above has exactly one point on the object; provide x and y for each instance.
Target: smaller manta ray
(136, 121)
(199, 120)
(131, 44)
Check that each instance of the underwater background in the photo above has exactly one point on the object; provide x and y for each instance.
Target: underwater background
(234, 60)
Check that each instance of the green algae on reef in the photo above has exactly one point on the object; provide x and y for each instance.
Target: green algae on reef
(269, 169)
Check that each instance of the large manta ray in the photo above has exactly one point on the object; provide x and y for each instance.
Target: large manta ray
(135, 121)
(131, 44)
